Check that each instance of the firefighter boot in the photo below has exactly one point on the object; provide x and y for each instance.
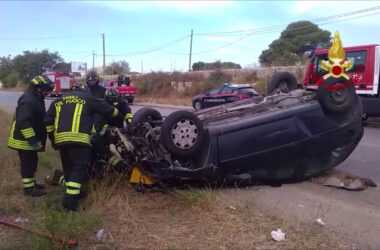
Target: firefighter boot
(34, 192)
(70, 202)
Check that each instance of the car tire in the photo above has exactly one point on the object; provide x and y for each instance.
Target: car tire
(146, 115)
(198, 105)
(336, 100)
(283, 80)
(182, 133)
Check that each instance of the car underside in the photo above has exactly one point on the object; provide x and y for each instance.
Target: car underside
(283, 137)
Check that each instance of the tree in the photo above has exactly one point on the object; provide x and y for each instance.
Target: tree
(6, 66)
(294, 41)
(117, 68)
(32, 63)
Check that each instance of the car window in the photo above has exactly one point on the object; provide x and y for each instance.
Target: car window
(227, 90)
(247, 91)
(214, 91)
(111, 84)
(357, 59)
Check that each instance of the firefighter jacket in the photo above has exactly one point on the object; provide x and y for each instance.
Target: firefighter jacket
(27, 129)
(125, 111)
(71, 117)
(97, 91)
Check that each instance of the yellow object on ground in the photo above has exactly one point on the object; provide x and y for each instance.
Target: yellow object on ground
(138, 177)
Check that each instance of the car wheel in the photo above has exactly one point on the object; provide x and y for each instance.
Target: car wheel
(182, 133)
(336, 95)
(337, 98)
(197, 105)
(281, 81)
(146, 115)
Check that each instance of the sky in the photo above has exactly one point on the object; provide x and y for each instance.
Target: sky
(155, 35)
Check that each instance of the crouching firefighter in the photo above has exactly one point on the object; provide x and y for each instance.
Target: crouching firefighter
(102, 127)
(68, 122)
(28, 134)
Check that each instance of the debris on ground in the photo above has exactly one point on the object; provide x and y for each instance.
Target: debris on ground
(21, 220)
(101, 235)
(342, 180)
(320, 221)
(278, 235)
(232, 207)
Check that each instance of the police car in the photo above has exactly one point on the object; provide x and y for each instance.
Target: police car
(223, 94)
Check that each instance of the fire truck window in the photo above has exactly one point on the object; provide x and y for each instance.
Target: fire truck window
(320, 72)
(357, 59)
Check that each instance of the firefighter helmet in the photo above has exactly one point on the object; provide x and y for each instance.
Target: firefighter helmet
(92, 78)
(80, 86)
(42, 82)
(111, 95)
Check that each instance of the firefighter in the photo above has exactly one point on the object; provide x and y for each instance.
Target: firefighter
(28, 134)
(68, 122)
(92, 81)
(102, 125)
(113, 98)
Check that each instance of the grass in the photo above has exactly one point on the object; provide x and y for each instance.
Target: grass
(194, 218)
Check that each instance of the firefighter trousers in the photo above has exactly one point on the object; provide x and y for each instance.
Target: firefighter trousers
(75, 161)
(29, 161)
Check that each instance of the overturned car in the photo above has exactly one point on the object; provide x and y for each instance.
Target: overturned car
(282, 137)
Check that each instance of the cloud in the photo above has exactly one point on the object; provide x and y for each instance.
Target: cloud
(305, 6)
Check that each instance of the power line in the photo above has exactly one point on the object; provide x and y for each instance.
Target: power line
(153, 49)
(262, 31)
(266, 32)
(284, 25)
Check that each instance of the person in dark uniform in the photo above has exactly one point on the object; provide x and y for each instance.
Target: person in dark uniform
(92, 81)
(27, 134)
(113, 98)
(102, 126)
(69, 121)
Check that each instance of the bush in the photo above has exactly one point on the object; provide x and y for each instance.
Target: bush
(216, 78)
(252, 77)
(154, 83)
(10, 81)
(261, 86)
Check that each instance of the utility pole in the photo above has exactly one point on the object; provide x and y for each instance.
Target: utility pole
(191, 48)
(142, 69)
(104, 52)
(93, 59)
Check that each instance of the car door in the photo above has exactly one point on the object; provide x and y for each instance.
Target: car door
(227, 94)
(211, 97)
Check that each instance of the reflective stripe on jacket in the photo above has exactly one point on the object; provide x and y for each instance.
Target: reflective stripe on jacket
(71, 117)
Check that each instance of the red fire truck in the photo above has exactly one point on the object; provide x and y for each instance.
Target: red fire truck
(63, 81)
(365, 71)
